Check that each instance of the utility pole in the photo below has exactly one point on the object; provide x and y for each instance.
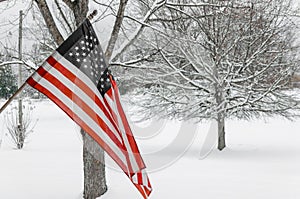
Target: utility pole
(20, 122)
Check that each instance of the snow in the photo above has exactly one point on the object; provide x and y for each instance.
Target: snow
(261, 161)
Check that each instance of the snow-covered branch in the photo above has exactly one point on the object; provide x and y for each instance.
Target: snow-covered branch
(156, 5)
(27, 64)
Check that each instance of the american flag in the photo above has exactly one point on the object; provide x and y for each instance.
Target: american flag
(76, 78)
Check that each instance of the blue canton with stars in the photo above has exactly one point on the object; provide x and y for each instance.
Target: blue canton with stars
(83, 50)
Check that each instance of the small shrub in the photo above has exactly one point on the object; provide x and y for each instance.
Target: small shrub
(16, 131)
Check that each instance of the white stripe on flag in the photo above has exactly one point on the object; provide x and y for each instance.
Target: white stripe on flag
(145, 177)
(91, 103)
(81, 113)
(132, 159)
(79, 74)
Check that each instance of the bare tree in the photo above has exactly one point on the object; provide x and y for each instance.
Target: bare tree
(16, 131)
(216, 60)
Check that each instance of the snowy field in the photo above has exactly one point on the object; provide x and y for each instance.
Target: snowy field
(262, 161)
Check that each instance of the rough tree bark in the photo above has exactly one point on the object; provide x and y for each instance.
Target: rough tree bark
(94, 168)
(93, 154)
(220, 119)
(221, 132)
(219, 98)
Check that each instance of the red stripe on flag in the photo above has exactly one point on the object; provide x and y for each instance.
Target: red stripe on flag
(139, 178)
(147, 191)
(77, 119)
(80, 84)
(109, 94)
(116, 120)
(141, 190)
(58, 84)
(116, 115)
(128, 131)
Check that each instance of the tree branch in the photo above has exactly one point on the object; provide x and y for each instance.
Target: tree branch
(63, 16)
(116, 29)
(46, 13)
(156, 5)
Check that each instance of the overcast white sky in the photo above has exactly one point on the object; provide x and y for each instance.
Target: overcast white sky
(9, 19)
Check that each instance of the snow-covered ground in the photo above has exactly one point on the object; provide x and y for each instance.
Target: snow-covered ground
(262, 161)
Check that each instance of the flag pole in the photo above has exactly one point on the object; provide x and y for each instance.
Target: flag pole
(12, 97)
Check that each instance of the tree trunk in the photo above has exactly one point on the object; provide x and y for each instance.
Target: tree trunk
(219, 96)
(94, 168)
(221, 132)
(93, 154)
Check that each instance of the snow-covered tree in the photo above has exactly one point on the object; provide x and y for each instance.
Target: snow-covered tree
(8, 79)
(218, 59)
(207, 59)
